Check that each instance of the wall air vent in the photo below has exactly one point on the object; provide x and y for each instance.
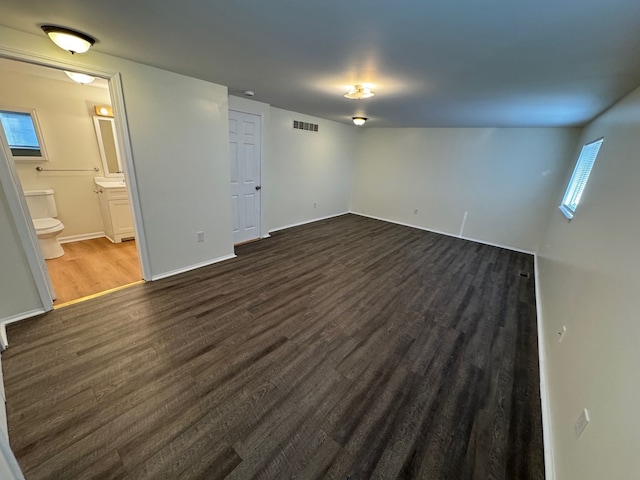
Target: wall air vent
(309, 127)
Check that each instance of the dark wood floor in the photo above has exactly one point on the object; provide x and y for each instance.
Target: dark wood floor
(345, 349)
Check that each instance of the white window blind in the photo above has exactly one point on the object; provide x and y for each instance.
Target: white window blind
(580, 177)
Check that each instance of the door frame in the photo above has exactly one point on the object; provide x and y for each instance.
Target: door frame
(13, 189)
(262, 135)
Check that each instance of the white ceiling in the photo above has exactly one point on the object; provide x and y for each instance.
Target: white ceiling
(434, 63)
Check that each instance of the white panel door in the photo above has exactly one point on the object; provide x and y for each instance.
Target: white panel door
(245, 137)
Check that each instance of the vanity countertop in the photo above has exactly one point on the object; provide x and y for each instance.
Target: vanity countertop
(110, 182)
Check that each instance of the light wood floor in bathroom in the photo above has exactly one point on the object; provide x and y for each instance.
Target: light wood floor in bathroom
(93, 266)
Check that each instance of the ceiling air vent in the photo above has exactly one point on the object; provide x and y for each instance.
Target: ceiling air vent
(309, 127)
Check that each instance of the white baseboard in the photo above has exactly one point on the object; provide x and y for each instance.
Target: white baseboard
(545, 401)
(448, 234)
(4, 342)
(192, 267)
(79, 238)
(306, 221)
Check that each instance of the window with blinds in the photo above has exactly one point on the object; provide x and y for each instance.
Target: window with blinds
(580, 177)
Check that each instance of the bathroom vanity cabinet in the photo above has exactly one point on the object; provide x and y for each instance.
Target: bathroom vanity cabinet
(115, 210)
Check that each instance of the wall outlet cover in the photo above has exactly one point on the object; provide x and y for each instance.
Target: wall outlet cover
(561, 334)
(581, 423)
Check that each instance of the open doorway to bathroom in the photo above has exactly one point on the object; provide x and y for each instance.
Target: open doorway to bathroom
(76, 188)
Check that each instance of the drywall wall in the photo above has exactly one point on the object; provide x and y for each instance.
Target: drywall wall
(505, 179)
(65, 114)
(307, 175)
(588, 270)
(181, 156)
(179, 137)
(17, 289)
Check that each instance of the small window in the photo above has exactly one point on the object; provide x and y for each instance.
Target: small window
(579, 178)
(20, 127)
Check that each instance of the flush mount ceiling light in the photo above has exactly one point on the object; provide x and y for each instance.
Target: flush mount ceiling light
(358, 92)
(359, 121)
(80, 78)
(70, 40)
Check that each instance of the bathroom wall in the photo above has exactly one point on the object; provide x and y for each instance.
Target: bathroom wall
(64, 109)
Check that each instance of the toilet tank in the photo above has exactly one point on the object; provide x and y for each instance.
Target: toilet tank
(41, 203)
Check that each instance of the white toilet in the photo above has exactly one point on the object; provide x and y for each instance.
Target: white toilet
(42, 207)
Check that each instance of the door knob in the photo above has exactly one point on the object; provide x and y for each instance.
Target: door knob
(258, 187)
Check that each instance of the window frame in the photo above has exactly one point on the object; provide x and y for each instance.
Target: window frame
(43, 157)
(580, 178)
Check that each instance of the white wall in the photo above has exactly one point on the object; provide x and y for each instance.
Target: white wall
(305, 168)
(17, 289)
(589, 279)
(65, 114)
(494, 174)
(179, 135)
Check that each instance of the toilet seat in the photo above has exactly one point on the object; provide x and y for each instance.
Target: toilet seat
(47, 225)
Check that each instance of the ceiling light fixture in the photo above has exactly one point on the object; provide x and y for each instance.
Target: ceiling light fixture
(359, 121)
(81, 78)
(358, 92)
(70, 40)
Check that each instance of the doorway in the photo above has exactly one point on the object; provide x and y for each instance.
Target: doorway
(245, 152)
(84, 185)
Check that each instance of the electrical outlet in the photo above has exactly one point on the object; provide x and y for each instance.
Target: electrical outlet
(561, 334)
(315, 204)
(581, 423)
(415, 212)
(200, 236)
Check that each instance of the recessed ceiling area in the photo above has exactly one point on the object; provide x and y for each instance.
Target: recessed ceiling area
(432, 64)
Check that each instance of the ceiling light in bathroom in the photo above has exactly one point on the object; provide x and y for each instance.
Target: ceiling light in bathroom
(80, 77)
(359, 121)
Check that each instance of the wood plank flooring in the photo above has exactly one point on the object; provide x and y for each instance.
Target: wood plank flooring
(93, 266)
(349, 348)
